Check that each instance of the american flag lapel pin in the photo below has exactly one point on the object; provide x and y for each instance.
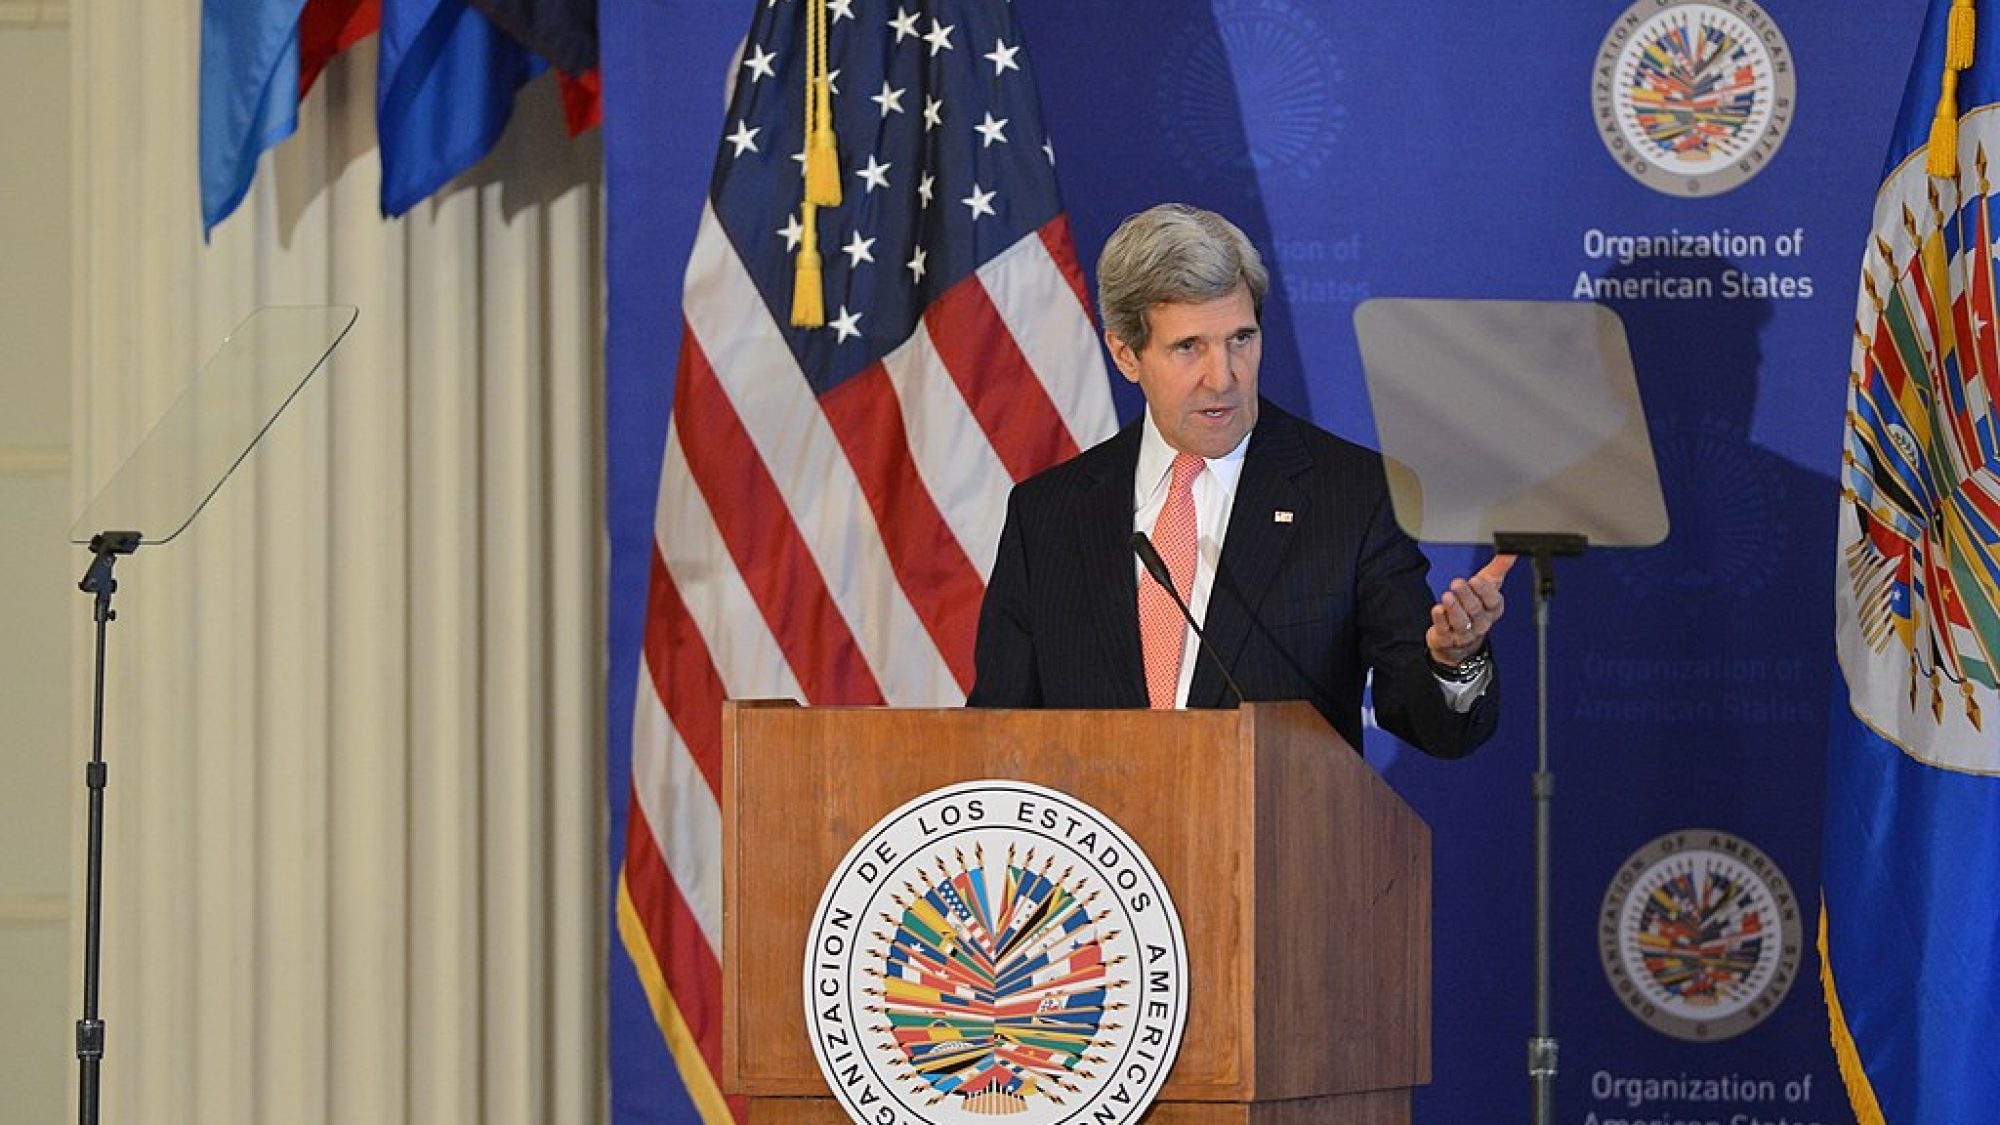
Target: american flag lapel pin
(1281, 516)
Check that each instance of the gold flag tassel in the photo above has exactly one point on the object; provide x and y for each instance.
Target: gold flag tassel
(1942, 159)
(822, 174)
(808, 304)
(1958, 36)
(822, 158)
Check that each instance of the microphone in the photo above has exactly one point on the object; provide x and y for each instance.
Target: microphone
(1157, 567)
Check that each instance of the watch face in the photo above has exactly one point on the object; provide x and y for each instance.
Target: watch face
(1465, 671)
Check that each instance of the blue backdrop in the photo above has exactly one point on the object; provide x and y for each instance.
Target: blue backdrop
(1434, 150)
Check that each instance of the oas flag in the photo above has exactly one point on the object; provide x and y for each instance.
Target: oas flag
(1910, 917)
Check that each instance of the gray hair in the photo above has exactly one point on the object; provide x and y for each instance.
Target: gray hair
(1173, 252)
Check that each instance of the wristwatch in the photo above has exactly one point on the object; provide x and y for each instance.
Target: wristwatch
(1465, 671)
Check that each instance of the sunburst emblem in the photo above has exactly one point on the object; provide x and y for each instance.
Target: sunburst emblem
(1740, 541)
(995, 996)
(1261, 89)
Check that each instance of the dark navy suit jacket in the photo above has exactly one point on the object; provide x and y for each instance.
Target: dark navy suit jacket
(1301, 608)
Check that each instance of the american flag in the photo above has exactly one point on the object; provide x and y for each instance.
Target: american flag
(831, 498)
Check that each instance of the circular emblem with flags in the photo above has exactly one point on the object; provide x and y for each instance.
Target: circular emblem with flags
(995, 949)
(1699, 934)
(1919, 607)
(1692, 98)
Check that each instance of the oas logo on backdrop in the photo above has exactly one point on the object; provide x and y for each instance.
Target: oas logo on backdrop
(1261, 87)
(1693, 96)
(995, 949)
(1699, 935)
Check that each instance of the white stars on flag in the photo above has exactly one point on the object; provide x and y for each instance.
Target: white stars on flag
(890, 99)
(981, 202)
(846, 324)
(940, 37)
(911, 69)
(1002, 58)
(993, 130)
(858, 250)
(875, 175)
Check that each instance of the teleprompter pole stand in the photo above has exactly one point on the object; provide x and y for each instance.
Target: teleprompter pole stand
(105, 548)
(1542, 549)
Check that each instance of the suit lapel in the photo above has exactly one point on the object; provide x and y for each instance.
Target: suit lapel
(1254, 550)
(1108, 566)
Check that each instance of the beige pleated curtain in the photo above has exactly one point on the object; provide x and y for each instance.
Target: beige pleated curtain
(353, 866)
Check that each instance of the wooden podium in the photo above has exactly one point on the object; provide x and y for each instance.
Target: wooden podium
(1303, 884)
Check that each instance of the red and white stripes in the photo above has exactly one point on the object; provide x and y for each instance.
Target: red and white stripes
(831, 549)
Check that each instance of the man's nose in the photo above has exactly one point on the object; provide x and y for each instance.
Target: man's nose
(1219, 374)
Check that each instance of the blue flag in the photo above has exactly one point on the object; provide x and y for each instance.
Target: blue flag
(1910, 917)
(443, 94)
(249, 94)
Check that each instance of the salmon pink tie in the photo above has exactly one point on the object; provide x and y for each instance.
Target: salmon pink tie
(1162, 630)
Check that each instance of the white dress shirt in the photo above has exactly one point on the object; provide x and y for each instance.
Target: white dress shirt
(1214, 497)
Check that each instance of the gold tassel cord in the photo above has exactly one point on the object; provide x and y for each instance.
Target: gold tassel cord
(1942, 158)
(822, 158)
(808, 302)
(1958, 36)
(821, 174)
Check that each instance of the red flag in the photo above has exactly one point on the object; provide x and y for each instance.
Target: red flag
(328, 27)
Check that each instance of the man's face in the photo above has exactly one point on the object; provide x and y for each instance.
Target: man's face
(1199, 371)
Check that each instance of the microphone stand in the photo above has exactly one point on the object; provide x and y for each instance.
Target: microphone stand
(1149, 557)
(105, 547)
(1542, 549)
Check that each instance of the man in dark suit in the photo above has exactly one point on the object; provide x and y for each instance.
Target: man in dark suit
(1279, 535)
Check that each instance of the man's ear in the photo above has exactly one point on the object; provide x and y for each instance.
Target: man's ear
(1122, 355)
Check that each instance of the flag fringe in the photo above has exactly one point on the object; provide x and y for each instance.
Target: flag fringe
(1860, 1092)
(694, 1073)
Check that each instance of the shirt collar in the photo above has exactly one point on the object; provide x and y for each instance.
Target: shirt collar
(1156, 461)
